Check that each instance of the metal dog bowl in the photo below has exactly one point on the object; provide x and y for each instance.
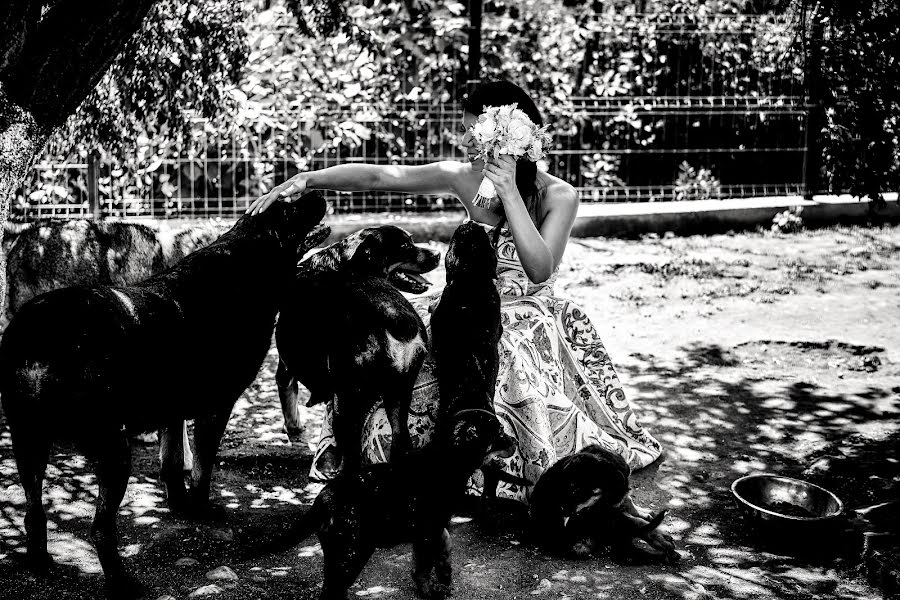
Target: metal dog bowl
(779, 501)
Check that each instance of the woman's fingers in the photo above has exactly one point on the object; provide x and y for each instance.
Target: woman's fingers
(507, 161)
(285, 190)
(259, 205)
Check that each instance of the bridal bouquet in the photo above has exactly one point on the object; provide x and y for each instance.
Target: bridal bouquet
(506, 130)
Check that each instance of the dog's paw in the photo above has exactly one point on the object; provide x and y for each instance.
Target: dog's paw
(433, 590)
(294, 435)
(665, 544)
(38, 562)
(582, 550)
(178, 502)
(124, 587)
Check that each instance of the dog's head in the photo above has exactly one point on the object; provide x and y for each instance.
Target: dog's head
(288, 222)
(584, 479)
(387, 252)
(475, 436)
(471, 254)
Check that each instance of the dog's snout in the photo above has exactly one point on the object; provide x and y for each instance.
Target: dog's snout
(429, 258)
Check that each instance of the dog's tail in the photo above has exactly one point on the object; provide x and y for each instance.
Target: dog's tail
(286, 538)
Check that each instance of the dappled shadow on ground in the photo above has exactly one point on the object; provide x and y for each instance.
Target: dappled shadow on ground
(717, 420)
(792, 407)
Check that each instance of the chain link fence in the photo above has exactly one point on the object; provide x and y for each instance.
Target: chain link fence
(670, 107)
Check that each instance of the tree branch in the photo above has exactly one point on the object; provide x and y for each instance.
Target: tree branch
(18, 19)
(68, 53)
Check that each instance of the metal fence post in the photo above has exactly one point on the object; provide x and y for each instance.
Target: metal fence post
(93, 185)
(475, 10)
(815, 96)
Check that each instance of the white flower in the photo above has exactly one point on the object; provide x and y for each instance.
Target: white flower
(508, 130)
(485, 130)
(520, 136)
(536, 151)
(519, 114)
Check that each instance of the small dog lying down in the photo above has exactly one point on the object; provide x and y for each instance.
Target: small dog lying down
(581, 505)
(410, 498)
(348, 334)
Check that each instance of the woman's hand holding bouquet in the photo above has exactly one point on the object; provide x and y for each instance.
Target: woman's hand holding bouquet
(503, 134)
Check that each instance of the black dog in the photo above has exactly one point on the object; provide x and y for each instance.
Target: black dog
(348, 334)
(465, 334)
(465, 325)
(582, 504)
(409, 499)
(96, 365)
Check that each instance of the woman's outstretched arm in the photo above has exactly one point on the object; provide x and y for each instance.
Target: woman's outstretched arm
(432, 178)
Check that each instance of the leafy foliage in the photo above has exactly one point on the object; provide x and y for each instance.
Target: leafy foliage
(218, 101)
(788, 221)
(695, 184)
(855, 74)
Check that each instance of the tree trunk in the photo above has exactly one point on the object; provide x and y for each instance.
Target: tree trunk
(21, 138)
(49, 63)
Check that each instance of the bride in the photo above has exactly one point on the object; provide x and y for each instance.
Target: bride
(557, 389)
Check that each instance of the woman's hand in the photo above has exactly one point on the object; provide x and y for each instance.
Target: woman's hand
(294, 186)
(502, 173)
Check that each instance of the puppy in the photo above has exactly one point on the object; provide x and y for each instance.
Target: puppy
(582, 504)
(83, 364)
(409, 499)
(348, 334)
(630, 539)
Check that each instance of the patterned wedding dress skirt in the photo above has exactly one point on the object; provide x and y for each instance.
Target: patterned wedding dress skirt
(557, 389)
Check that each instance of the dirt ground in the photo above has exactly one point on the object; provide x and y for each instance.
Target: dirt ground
(742, 354)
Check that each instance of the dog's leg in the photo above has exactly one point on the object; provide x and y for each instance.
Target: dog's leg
(444, 565)
(630, 508)
(431, 555)
(172, 444)
(112, 459)
(207, 434)
(288, 393)
(347, 424)
(31, 452)
(397, 409)
(344, 557)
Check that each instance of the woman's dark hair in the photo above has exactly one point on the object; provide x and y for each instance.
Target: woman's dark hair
(500, 93)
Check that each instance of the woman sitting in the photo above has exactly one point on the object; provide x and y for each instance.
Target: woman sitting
(557, 389)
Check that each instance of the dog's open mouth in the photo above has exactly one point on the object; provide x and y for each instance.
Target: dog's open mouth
(406, 278)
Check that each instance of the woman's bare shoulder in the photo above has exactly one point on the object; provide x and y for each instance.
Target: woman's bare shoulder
(558, 192)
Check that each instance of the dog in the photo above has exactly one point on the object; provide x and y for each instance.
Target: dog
(582, 504)
(408, 499)
(94, 365)
(465, 324)
(59, 254)
(347, 333)
(465, 334)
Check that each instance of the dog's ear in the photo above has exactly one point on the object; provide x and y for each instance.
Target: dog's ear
(361, 251)
(451, 262)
